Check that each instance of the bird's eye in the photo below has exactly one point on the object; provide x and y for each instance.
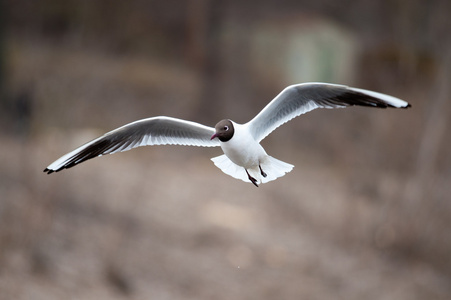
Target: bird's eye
(226, 128)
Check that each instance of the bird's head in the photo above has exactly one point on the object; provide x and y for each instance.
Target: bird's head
(224, 130)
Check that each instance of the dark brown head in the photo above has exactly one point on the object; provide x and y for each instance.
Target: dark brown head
(224, 130)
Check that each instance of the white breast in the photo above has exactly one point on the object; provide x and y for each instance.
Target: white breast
(243, 149)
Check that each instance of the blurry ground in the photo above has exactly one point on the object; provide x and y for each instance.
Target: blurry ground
(357, 218)
(164, 222)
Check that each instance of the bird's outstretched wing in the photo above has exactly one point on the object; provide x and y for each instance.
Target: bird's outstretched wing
(299, 99)
(152, 131)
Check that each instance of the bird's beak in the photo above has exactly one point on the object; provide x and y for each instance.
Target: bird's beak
(213, 136)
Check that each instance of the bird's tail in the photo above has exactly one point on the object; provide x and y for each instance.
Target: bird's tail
(273, 168)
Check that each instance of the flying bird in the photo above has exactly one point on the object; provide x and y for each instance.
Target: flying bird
(244, 158)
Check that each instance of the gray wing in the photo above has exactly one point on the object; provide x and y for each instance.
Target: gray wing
(301, 98)
(152, 131)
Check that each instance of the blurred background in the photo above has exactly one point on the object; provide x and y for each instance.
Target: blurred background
(365, 214)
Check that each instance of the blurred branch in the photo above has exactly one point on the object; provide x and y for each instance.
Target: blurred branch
(205, 19)
(2, 49)
(433, 134)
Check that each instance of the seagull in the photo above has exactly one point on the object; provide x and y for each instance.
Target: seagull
(244, 158)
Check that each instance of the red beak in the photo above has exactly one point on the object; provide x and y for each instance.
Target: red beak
(213, 136)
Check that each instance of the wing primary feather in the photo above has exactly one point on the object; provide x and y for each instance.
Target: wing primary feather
(152, 131)
(299, 99)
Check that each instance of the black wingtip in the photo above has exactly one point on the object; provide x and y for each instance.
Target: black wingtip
(393, 106)
(48, 171)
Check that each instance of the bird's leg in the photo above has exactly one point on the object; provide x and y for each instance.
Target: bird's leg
(261, 171)
(252, 179)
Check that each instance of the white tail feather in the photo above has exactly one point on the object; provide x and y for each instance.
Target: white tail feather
(273, 168)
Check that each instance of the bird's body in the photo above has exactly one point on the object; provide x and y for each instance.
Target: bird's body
(244, 158)
(247, 157)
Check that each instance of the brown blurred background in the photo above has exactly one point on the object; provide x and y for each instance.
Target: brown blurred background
(365, 214)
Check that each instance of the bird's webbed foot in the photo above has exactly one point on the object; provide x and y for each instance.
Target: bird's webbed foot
(252, 179)
(261, 171)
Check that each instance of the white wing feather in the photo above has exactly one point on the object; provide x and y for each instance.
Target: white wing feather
(146, 132)
(299, 99)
